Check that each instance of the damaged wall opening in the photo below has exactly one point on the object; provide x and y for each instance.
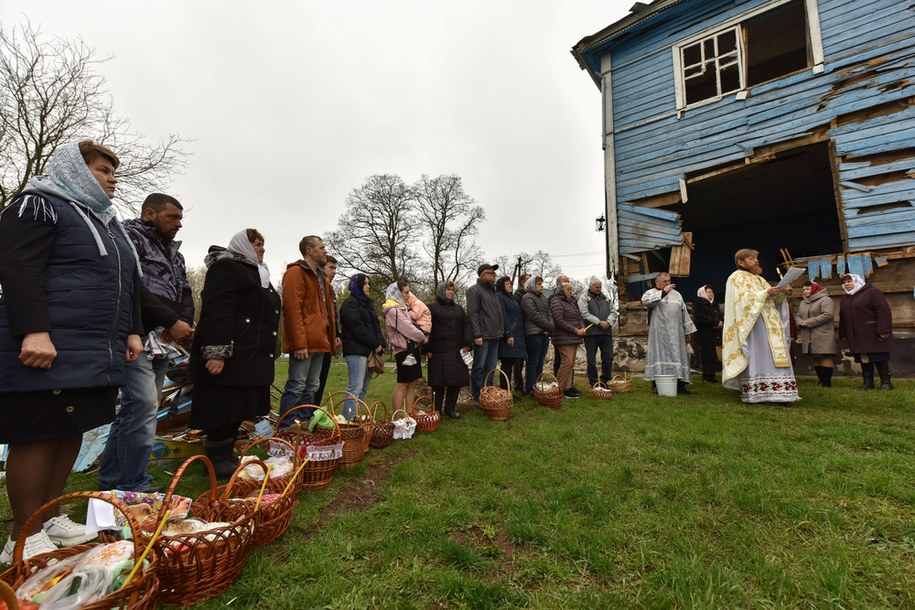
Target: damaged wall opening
(786, 202)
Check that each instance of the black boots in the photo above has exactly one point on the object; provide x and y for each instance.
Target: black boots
(221, 454)
(884, 369)
(867, 371)
(824, 376)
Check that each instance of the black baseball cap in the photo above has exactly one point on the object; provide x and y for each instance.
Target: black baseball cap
(485, 267)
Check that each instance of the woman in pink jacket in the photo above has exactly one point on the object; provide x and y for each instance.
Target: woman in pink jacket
(405, 337)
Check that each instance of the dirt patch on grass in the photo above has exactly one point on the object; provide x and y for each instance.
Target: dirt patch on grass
(362, 493)
(493, 543)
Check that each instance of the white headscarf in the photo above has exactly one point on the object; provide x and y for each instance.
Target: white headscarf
(859, 283)
(702, 295)
(240, 245)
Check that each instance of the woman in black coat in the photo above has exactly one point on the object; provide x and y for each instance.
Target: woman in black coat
(709, 320)
(514, 354)
(234, 345)
(361, 334)
(449, 340)
(866, 323)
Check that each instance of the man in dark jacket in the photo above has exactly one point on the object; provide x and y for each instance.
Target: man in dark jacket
(487, 325)
(167, 310)
(599, 316)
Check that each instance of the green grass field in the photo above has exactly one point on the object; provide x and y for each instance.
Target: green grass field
(637, 502)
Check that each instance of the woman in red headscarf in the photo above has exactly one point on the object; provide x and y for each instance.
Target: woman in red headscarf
(815, 332)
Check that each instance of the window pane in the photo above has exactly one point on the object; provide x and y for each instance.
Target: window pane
(692, 55)
(693, 71)
(727, 42)
(730, 78)
(709, 45)
(702, 87)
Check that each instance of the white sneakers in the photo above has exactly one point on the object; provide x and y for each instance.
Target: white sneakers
(36, 544)
(64, 532)
(58, 531)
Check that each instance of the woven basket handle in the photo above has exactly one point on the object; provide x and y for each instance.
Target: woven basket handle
(166, 503)
(279, 421)
(234, 477)
(8, 596)
(424, 399)
(396, 411)
(545, 377)
(508, 382)
(95, 495)
(374, 409)
(331, 406)
(600, 384)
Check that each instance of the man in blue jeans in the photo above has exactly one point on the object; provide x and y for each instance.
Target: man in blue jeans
(599, 315)
(487, 325)
(309, 326)
(167, 310)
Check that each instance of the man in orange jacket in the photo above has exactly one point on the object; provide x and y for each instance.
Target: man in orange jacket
(309, 324)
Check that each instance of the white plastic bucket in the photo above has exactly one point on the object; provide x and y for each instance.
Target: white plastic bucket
(666, 384)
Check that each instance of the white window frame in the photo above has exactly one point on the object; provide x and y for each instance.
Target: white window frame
(813, 32)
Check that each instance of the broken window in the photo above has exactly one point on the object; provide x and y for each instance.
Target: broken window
(759, 49)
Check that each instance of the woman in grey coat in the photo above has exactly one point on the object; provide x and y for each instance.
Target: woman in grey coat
(815, 331)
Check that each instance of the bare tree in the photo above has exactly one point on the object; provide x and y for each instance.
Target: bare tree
(51, 93)
(378, 233)
(538, 264)
(450, 220)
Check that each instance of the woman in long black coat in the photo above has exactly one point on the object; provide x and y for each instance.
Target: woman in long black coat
(361, 334)
(449, 339)
(234, 345)
(708, 319)
(866, 323)
(511, 354)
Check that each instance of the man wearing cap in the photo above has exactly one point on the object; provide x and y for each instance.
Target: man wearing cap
(487, 325)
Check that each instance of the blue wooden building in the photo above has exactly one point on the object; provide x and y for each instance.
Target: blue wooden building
(787, 126)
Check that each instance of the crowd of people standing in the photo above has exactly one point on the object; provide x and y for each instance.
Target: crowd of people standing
(92, 307)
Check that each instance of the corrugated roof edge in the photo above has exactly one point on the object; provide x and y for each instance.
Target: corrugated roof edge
(589, 43)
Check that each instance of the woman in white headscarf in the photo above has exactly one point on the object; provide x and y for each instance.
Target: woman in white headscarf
(234, 346)
(69, 315)
(866, 324)
(709, 320)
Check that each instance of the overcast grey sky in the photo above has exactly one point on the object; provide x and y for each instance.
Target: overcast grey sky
(291, 105)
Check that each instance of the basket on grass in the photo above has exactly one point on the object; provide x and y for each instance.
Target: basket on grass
(600, 391)
(496, 402)
(141, 592)
(322, 452)
(274, 514)
(620, 384)
(361, 414)
(427, 418)
(547, 391)
(352, 432)
(403, 427)
(382, 427)
(197, 566)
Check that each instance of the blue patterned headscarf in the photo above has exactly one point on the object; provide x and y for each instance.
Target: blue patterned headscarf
(69, 177)
(355, 286)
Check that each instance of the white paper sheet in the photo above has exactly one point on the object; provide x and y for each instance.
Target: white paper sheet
(792, 274)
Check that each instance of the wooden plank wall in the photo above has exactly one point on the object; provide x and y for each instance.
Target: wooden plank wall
(863, 97)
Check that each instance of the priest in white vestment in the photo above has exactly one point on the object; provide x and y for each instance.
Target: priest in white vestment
(756, 356)
(668, 326)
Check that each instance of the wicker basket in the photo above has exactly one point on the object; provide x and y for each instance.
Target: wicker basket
(496, 402)
(619, 384)
(550, 398)
(199, 566)
(270, 521)
(141, 592)
(317, 474)
(600, 391)
(8, 596)
(382, 428)
(409, 427)
(428, 420)
(361, 415)
(352, 432)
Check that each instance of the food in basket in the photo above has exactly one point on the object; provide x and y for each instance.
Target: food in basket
(281, 466)
(546, 386)
(80, 579)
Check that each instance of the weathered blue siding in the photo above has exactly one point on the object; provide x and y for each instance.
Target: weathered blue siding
(869, 52)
